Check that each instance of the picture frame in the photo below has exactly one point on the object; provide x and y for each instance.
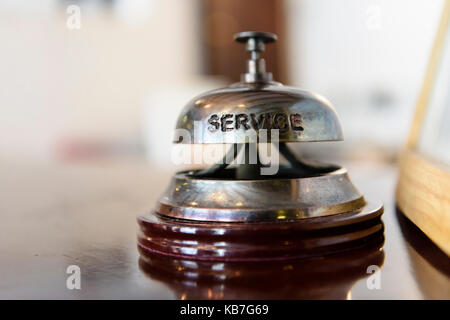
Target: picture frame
(423, 190)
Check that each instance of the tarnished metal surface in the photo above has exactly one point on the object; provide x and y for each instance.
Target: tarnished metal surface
(236, 114)
(256, 66)
(259, 110)
(228, 115)
(272, 199)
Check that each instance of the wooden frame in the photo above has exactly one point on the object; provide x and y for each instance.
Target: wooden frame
(423, 191)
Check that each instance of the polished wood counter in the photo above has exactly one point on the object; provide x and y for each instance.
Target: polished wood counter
(54, 216)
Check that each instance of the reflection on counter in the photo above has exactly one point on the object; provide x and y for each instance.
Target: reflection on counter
(329, 277)
(430, 265)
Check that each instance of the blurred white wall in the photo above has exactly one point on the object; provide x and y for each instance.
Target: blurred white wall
(368, 57)
(126, 73)
(93, 82)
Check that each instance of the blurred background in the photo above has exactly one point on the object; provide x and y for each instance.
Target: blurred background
(107, 78)
(95, 87)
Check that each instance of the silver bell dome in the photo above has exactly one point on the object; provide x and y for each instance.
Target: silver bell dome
(227, 115)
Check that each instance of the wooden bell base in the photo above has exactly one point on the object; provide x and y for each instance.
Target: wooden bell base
(256, 241)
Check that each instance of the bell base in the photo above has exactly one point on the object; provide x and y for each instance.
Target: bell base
(256, 241)
(285, 196)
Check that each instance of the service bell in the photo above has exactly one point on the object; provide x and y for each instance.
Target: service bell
(242, 210)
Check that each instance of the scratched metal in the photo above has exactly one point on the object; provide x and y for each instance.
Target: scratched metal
(227, 200)
(258, 104)
(300, 115)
